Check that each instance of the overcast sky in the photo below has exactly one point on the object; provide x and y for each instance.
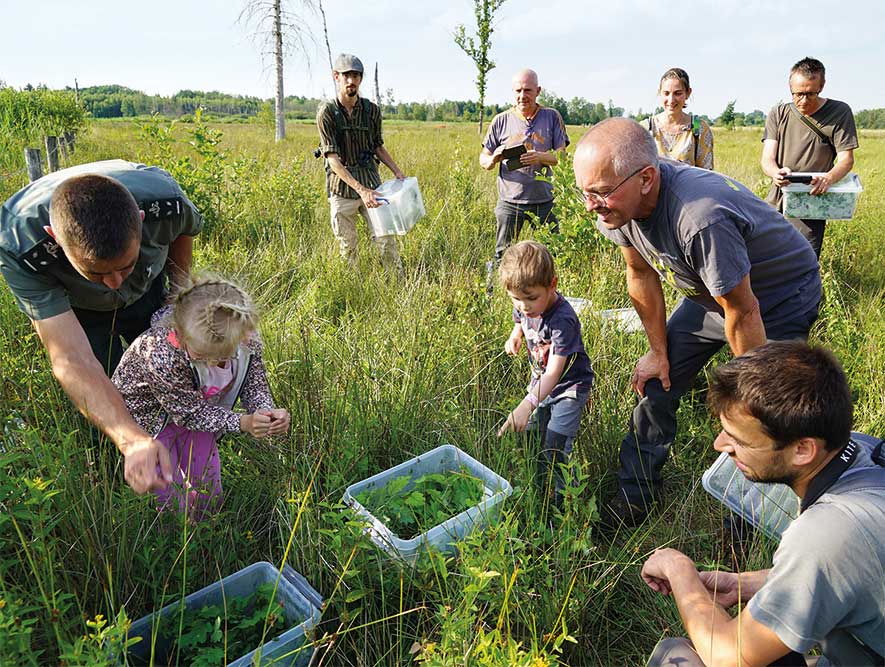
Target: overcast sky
(732, 49)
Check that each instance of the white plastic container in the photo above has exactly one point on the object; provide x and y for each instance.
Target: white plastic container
(768, 507)
(444, 536)
(837, 203)
(402, 207)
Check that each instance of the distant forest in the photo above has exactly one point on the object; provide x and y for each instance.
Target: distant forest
(115, 101)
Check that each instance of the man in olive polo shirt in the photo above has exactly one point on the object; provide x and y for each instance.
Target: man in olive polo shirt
(811, 133)
(84, 252)
(351, 142)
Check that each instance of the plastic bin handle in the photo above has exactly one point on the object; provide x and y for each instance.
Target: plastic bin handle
(301, 585)
(384, 199)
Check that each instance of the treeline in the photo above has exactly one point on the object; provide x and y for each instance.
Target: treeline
(870, 119)
(121, 102)
(115, 101)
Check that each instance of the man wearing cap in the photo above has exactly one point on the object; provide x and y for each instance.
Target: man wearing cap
(351, 142)
(811, 133)
(86, 252)
(541, 132)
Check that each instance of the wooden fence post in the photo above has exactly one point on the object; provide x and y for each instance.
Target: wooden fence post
(35, 166)
(52, 153)
(69, 140)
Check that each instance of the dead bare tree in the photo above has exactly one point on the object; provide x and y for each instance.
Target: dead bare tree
(279, 30)
(377, 89)
(328, 48)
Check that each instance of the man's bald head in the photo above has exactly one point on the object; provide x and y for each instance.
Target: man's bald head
(526, 76)
(622, 142)
(525, 92)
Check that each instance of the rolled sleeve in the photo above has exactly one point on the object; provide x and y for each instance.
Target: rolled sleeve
(326, 127)
(191, 220)
(377, 138)
(38, 296)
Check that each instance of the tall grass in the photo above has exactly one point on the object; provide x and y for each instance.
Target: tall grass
(375, 372)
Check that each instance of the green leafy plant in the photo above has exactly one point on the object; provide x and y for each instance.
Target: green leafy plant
(429, 501)
(217, 633)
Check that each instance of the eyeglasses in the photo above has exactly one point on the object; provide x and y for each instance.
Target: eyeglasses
(811, 95)
(601, 200)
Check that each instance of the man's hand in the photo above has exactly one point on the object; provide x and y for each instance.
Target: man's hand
(398, 175)
(723, 586)
(779, 179)
(279, 420)
(819, 184)
(533, 158)
(370, 197)
(657, 569)
(651, 365)
(146, 465)
(518, 419)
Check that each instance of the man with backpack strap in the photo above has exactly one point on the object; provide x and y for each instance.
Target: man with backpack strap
(786, 412)
(810, 133)
(352, 145)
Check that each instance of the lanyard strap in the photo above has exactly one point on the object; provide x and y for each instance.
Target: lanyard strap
(828, 476)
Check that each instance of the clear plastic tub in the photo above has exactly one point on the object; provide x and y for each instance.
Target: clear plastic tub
(444, 536)
(768, 507)
(300, 601)
(402, 207)
(837, 203)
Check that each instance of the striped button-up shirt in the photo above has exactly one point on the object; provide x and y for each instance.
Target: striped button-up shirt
(354, 138)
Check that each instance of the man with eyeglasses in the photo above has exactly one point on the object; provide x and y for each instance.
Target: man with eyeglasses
(811, 133)
(541, 132)
(745, 276)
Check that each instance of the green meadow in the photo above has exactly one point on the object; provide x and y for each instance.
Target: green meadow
(375, 372)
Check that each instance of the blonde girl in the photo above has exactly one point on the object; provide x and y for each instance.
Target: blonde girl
(182, 378)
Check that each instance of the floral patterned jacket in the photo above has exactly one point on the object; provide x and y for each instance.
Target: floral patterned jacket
(158, 385)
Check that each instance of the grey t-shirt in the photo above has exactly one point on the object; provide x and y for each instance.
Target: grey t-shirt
(828, 576)
(708, 231)
(544, 132)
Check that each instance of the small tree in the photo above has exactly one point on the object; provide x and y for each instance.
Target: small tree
(478, 49)
(727, 118)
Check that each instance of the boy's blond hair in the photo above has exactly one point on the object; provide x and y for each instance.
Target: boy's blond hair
(213, 314)
(526, 264)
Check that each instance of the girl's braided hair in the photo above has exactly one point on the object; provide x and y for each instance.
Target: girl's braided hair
(214, 315)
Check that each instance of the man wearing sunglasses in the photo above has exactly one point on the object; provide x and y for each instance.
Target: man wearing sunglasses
(539, 133)
(745, 275)
(811, 133)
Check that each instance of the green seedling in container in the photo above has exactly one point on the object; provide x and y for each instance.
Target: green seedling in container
(215, 634)
(431, 500)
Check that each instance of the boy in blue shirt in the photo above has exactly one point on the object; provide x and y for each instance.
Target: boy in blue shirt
(561, 374)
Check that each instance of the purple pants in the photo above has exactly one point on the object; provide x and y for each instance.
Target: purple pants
(196, 472)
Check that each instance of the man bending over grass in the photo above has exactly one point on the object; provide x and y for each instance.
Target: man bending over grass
(786, 415)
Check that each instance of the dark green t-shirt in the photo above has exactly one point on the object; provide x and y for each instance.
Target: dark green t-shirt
(799, 148)
(39, 275)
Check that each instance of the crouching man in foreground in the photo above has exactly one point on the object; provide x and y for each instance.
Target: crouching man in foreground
(786, 415)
